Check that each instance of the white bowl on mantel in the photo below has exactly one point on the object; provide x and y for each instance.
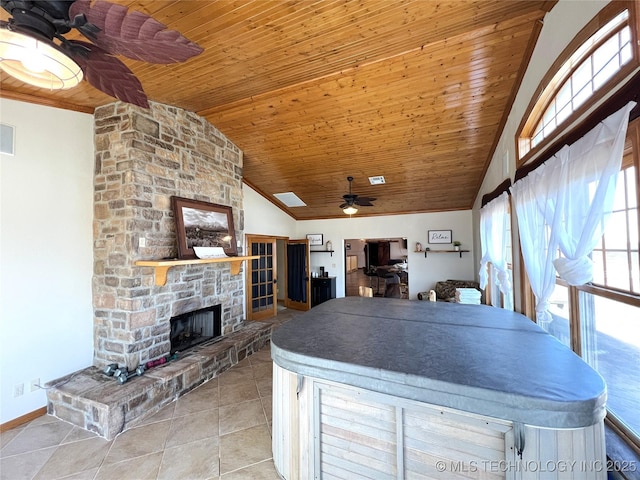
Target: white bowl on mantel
(209, 252)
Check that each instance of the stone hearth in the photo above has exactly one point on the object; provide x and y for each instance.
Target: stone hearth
(95, 402)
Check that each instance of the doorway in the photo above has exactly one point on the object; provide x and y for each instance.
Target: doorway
(262, 278)
(377, 267)
(270, 278)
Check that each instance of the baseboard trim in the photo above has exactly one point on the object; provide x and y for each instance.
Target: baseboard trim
(26, 418)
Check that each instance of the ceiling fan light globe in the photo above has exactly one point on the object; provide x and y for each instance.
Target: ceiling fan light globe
(350, 210)
(37, 62)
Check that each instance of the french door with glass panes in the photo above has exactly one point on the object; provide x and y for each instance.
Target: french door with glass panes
(262, 278)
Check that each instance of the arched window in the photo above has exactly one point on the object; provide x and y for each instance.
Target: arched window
(601, 55)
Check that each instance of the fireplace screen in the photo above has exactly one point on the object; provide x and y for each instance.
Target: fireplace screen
(195, 327)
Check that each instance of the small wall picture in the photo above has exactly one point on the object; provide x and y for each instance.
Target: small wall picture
(315, 239)
(439, 236)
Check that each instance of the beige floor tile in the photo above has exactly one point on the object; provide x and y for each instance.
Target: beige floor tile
(139, 441)
(238, 392)
(8, 436)
(263, 370)
(86, 475)
(261, 471)
(240, 416)
(243, 363)
(77, 434)
(73, 458)
(166, 413)
(262, 356)
(209, 385)
(24, 466)
(36, 437)
(196, 460)
(192, 427)
(245, 447)
(265, 386)
(139, 468)
(235, 375)
(42, 420)
(197, 401)
(267, 406)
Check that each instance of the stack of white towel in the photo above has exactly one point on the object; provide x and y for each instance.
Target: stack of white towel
(468, 295)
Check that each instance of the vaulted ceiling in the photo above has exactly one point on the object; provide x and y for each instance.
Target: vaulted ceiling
(315, 91)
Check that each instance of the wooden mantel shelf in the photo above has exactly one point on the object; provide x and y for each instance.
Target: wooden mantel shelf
(162, 266)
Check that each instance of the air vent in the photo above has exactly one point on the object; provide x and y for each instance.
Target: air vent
(290, 199)
(7, 133)
(379, 180)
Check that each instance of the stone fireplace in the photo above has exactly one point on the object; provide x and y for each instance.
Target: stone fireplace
(142, 159)
(193, 328)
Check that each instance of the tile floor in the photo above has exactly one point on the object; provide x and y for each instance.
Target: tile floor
(220, 431)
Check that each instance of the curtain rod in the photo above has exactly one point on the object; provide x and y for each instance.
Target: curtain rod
(496, 192)
(630, 92)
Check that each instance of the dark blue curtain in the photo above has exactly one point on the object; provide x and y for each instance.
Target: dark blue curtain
(297, 274)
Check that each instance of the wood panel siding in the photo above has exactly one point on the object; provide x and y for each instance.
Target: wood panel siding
(314, 91)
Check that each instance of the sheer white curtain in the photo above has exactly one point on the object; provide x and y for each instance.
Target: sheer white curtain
(529, 197)
(494, 228)
(564, 205)
(590, 167)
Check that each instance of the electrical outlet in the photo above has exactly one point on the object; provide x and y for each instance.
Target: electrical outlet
(35, 384)
(18, 390)
(142, 242)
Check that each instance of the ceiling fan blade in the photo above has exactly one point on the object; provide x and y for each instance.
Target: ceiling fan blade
(106, 73)
(365, 202)
(345, 205)
(133, 34)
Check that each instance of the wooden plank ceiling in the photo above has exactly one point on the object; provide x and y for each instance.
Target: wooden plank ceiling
(314, 91)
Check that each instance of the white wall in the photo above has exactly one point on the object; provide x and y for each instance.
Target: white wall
(423, 272)
(262, 217)
(561, 25)
(46, 251)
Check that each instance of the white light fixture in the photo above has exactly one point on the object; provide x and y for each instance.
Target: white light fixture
(37, 62)
(350, 210)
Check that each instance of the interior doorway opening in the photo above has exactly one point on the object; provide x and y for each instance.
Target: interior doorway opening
(377, 267)
(277, 280)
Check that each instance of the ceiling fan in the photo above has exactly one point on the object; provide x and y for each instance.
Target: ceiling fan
(28, 51)
(352, 201)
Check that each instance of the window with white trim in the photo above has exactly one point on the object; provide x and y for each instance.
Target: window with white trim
(581, 80)
(599, 320)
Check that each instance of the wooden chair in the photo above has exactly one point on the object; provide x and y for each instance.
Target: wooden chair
(365, 291)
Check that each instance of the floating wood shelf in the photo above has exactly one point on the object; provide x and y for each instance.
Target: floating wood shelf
(441, 251)
(323, 251)
(162, 266)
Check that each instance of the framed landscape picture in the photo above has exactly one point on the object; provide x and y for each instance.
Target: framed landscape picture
(203, 224)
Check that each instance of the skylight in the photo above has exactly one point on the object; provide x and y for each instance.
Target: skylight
(290, 199)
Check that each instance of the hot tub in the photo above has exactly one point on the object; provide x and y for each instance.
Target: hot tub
(389, 388)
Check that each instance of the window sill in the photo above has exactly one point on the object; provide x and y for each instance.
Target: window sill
(621, 454)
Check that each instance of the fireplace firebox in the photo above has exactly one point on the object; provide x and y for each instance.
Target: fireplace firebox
(190, 329)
